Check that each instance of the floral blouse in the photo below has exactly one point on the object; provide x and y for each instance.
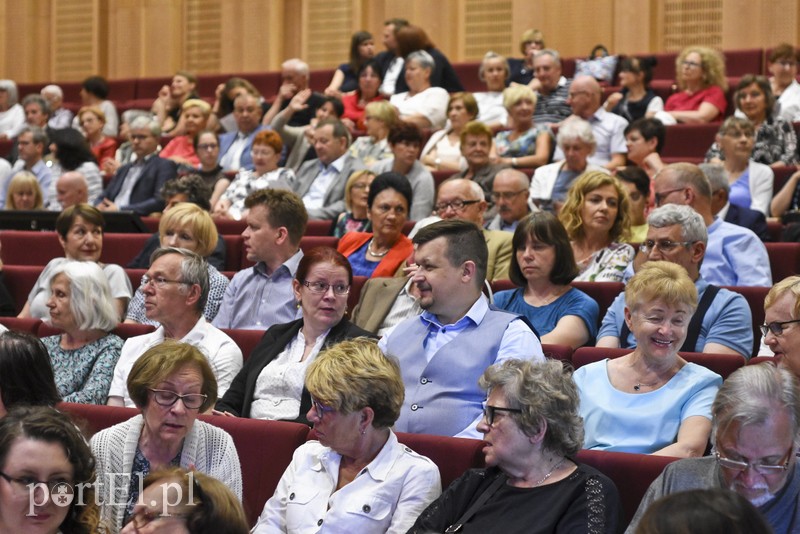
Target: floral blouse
(607, 264)
(84, 375)
(775, 141)
(524, 145)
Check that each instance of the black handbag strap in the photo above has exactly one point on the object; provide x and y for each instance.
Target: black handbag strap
(480, 501)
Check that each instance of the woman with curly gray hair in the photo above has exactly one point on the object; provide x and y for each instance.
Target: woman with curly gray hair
(532, 429)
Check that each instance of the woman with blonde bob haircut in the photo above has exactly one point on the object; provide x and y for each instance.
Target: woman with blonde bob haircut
(357, 393)
(651, 401)
(24, 192)
(596, 215)
(190, 227)
(379, 119)
(526, 144)
(171, 383)
(213, 507)
(532, 429)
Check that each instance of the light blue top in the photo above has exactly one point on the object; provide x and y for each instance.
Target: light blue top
(545, 318)
(740, 191)
(641, 422)
(735, 256)
(728, 321)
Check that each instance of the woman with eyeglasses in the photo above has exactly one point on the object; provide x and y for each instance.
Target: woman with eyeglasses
(531, 484)
(42, 447)
(206, 145)
(171, 383)
(542, 267)
(355, 474)
(166, 507)
(702, 84)
(382, 251)
(781, 329)
(270, 385)
(651, 401)
(83, 357)
(266, 153)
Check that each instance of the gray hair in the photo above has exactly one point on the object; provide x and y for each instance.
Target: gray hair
(693, 228)
(717, 176)
(39, 100)
(476, 190)
(90, 301)
(147, 123)
(10, 87)
(493, 55)
(424, 59)
(546, 394)
(549, 52)
(297, 65)
(130, 115)
(39, 135)
(753, 394)
(576, 128)
(52, 90)
(194, 270)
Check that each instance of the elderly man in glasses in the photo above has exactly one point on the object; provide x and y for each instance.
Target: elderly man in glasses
(510, 196)
(721, 323)
(755, 429)
(175, 292)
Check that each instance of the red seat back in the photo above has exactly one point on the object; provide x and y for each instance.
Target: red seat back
(755, 300)
(453, 456)
(246, 340)
(603, 293)
(19, 280)
(562, 353)
(28, 325)
(784, 259)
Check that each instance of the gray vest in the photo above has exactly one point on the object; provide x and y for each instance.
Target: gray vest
(443, 397)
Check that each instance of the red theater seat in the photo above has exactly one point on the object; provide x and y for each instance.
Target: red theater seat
(19, 280)
(689, 140)
(755, 300)
(28, 325)
(245, 339)
(784, 259)
(562, 353)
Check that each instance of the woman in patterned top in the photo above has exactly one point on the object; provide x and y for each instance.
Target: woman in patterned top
(526, 144)
(532, 484)
(597, 217)
(84, 356)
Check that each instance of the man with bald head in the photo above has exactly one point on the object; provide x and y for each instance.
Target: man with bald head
(510, 197)
(71, 189)
(608, 129)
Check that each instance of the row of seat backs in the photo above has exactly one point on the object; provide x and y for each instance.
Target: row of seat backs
(265, 449)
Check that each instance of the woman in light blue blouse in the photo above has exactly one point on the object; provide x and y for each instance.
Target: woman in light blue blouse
(84, 356)
(543, 265)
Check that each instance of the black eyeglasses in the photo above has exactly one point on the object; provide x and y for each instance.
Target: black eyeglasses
(25, 485)
(775, 327)
(192, 401)
(489, 411)
(457, 205)
(322, 287)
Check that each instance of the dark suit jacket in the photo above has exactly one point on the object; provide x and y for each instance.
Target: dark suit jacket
(752, 219)
(443, 74)
(384, 59)
(146, 194)
(239, 397)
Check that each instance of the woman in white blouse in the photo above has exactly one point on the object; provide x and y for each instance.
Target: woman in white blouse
(270, 385)
(422, 104)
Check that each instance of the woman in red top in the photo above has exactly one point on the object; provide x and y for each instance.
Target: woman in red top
(355, 102)
(92, 120)
(701, 79)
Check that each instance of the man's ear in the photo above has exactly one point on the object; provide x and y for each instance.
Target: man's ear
(468, 270)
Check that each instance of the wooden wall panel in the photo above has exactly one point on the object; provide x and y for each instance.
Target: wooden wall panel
(202, 43)
(486, 27)
(253, 35)
(80, 29)
(691, 22)
(327, 27)
(26, 47)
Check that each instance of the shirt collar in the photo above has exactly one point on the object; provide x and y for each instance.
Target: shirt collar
(379, 468)
(475, 314)
(289, 265)
(337, 164)
(724, 211)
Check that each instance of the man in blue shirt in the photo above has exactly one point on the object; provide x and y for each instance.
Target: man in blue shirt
(443, 351)
(723, 326)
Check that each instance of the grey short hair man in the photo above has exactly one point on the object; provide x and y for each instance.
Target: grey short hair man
(755, 432)
(722, 208)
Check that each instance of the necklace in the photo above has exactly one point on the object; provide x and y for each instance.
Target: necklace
(548, 475)
(639, 385)
(382, 254)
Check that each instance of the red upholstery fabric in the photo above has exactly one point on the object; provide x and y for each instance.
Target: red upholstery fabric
(689, 139)
(562, 353)
(245, 339)
(229, 226)
(319, 227)
(234, 250)
(755, 300)
(38, 248)
(784, 259)
(22, 325)
(782, 174)
(631, 473)
(19, 280)
(722, 364)
(125, 331)
(355, 292)
(744, 61)
(603, 293)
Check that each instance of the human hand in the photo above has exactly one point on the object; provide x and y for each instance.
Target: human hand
(299, 101)
(287, 91)
(107, 205)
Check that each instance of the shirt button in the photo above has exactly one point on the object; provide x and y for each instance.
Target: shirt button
(319, 523)
(423, 380)
(291, 496)
(414, 407)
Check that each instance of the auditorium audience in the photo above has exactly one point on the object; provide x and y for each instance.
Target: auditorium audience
(24, 192)
(265, 153)
(722, 208)
(596, 215)
(367, 90)
(346, 76)
(12, 116)
(542, 267)
(92, 121)
(226, 93)
(552, 89)
(166, 432)
(379, 118)
(533, 431)
(637, 99)
(80, 233)
(190, 227)
(476, 145)
(551, 182)
(83, 357)
(26, 376)
(522, 69)
(423, 103)
(31, 144)
(390, 61)
(651, 401)
(124, 153)
(644, 139)
(381, 251)
(636, 182)
(510, 197)
(782, 65)
(70, 152)
(270, 385)
(71, 189)
(526, 144)
(494, 72)
(194, 118)
(206, 145)
(176, 290)
(780, 329)
(702, 84)
(443, 149)
(355, 218)
(42, 454)
(405, 140)
(294, 78)
(411, 39)
(168, 106)
(94, 93)
(357, 394)
(60, 117)
(235, 145)
(775, 139)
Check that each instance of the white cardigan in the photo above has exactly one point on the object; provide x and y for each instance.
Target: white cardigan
(760, 179)
(544, 179)
(207, 448)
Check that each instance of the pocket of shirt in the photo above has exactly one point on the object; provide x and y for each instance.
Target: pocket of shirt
(370, 507)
